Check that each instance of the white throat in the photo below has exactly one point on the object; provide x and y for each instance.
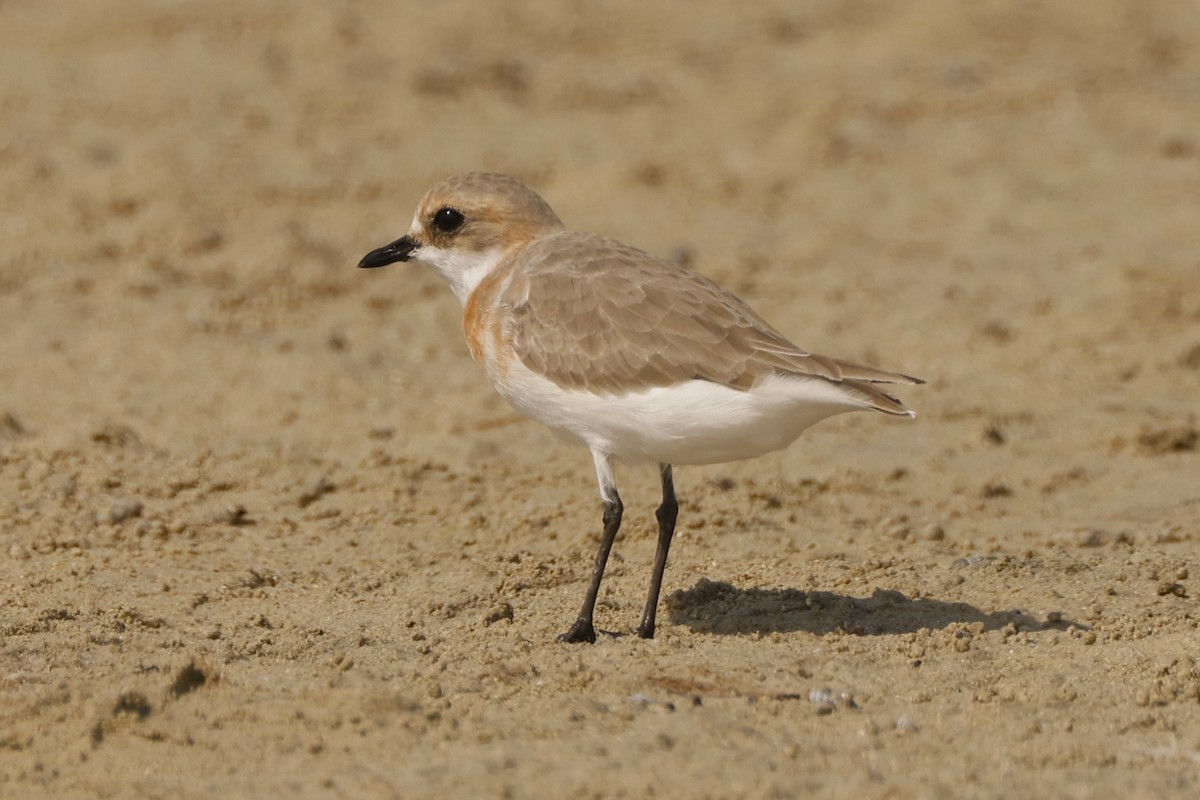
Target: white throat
(462, 270)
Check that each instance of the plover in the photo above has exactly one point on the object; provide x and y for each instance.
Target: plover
(637, 358)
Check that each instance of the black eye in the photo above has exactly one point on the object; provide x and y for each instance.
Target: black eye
(448, 220)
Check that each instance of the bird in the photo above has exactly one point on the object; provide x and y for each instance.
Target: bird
(639, 359)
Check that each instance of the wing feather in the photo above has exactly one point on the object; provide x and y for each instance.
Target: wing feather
(590, 313)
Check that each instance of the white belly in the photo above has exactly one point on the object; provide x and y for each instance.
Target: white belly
(697, 422)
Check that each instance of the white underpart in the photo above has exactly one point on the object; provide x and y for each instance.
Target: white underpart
(604, 475)
(463, 271)
(694, 422)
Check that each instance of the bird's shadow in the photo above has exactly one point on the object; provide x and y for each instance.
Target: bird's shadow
(721, 608)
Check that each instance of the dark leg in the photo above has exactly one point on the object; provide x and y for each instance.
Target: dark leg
(667, 513)
(582, 630)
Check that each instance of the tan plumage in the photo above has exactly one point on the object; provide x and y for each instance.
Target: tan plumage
(590, 313)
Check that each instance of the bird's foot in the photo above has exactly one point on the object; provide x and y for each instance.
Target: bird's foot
(581, 631)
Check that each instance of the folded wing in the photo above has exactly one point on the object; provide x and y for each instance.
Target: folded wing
(615, 319)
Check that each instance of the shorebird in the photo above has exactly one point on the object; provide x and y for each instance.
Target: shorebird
(639, 359)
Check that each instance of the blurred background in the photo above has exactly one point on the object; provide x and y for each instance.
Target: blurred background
(993, 188)
(1000, 197)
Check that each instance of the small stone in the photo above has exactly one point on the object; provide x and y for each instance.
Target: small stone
(905, 724)
(18, 551)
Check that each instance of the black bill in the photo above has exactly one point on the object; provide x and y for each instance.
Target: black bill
(399, 250)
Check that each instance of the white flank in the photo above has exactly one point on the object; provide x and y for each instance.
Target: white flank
(696, 422)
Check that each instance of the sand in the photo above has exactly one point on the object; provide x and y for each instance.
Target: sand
(265, 530)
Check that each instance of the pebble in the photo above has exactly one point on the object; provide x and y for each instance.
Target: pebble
(822, 699)
(826, 700)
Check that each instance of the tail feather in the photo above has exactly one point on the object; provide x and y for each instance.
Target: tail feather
(861, 372)
(876, 398)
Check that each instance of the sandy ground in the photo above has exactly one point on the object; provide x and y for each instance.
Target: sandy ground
(265, 531)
